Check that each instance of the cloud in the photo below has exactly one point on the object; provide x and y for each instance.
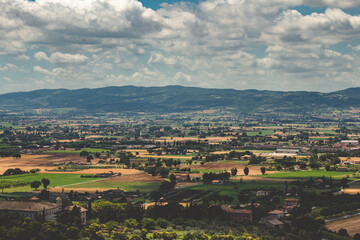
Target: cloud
(9, 67)
(58, 57)
(356, 48)
(215, 43)
(332, 27)
(159, 58)
(53, 72)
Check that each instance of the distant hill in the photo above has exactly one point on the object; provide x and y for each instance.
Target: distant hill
(178, 99)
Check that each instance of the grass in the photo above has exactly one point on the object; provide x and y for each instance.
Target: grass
(19, 195)
(264, 132)
(127, 186)
(233, 189)
(308, 174)
(55, 180)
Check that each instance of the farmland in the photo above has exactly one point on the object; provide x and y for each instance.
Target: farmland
(55, 180)
(308, 174)
(352, 225)
(212, 161)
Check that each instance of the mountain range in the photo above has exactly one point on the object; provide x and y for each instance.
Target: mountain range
(171, 99)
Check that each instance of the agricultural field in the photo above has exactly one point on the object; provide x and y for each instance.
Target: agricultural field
(232, 189)
(56, 180)
(41, 161)
(308, 174)
(145, 187)
(90, 150)
(158, 159)
(352, 225)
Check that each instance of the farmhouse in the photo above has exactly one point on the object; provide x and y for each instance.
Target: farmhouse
(238, 215)
(273, 223)
(297, 168)
(34, 209)
(37, 209)
(326, 149)
(277, 214)
(349, 143)
(288, 151)
(263, 193)
(350, 161)
(290, 203)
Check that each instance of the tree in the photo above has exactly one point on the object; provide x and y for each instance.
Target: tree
(148, 223)
(131, 223)
(16, 155)
(45, 182)
(246, 171)
(357, 236)
(243, 198)
(89, 158)
(327, 168)
(35, 184)
(234, 171)
(84, 154)
(172, 178)
(263, 170)
(343, 232)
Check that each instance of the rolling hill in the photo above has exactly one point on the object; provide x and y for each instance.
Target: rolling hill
(178, 99)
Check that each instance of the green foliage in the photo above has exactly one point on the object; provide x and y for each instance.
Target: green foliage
(45, 182)
(131, 223)
(35, 184)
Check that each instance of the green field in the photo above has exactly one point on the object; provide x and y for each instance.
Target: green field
(127, 186)
(307, 174)
(233, 189)
(55, 180)
(266, 132)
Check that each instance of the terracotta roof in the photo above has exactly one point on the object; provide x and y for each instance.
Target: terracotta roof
(275, 221)
(291, 200)
(26, 206)
(276, 212)
(231, 210)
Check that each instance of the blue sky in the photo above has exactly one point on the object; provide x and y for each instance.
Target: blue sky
(276, 44)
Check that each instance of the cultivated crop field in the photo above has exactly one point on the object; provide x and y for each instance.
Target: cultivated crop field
(41, 161)
(308, 174)
(352, 225)
(233, 189)
(56, 179)
(126, 186)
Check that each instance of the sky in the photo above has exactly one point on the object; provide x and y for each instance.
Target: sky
(288, 45)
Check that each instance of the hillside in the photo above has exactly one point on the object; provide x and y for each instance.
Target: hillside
(178, 99)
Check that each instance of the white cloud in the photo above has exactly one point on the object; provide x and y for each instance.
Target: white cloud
(332, 27)
(41, 56)
(58, 57)
(216, 43)
(9, 67)
(356, 48)
(53, 72)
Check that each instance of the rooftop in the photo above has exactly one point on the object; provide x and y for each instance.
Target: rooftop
(32, 206)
